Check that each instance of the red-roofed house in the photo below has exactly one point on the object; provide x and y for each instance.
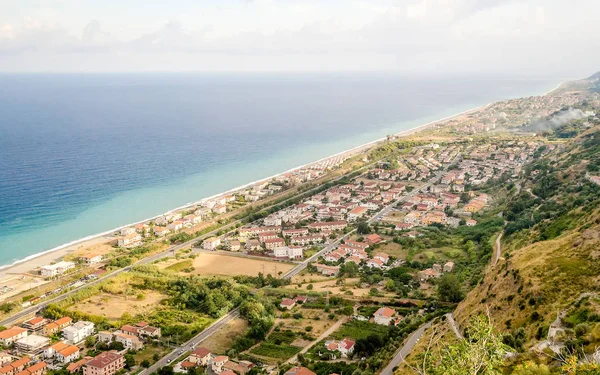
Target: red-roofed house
(384, 316)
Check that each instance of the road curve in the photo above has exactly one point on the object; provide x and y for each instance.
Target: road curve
(409, 344)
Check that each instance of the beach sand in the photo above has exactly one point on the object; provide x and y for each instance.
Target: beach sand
(21, 276)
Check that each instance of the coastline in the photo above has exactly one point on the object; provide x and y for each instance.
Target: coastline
(37, 260)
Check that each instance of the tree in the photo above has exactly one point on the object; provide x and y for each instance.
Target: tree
(449, 289)
(129, 361)
(363, 228)
(90, 341)
(349, 269)
(145, 363)
(167, 370)
(481, 353)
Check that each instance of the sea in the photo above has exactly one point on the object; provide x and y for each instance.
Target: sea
(81, 154)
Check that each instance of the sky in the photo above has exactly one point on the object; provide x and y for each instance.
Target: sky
(422, 37)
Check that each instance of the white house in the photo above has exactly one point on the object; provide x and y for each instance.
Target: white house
(132, 240)
(218, 363)
(78, 332)
(91, 259)
(211, 243)
(9, 336)
(56, 269)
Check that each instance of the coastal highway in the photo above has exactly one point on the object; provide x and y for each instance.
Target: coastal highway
(30, 311)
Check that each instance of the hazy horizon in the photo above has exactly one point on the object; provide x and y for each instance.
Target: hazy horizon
(422, 37)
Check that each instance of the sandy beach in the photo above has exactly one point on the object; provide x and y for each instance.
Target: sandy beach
(21, 275)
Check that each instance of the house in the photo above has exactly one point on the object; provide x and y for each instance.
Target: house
(35, 325)
(19, 365)
(375, 263)
(471, 222)
(328, 225)
(219, 209)
(307, 240)
(383, 316)
(345, 346)
(298, 370)
(272, 243)
(132, 240)
(39, 368)
(235, 245)
(295, 232)
(32, 344)
(449, 267)
(356, 244)
(9, 336)
(382, 257)
(160, 231)
(287, 303)
(75, 367)
(429, 273)
(357, 213)
(90, 259)
(327, 270)
(5, 358)
(78, 332)
(175, 226)
(106, 363)
(200, 356)
(129, 342)
(373, 239)
(56, 269)
(218, 363)
(262, 237)
(144, 329)
(211, 243)
(51, 351)
(252, 245)
(68, 354)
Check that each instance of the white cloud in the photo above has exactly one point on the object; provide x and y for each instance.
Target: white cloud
(408, 36)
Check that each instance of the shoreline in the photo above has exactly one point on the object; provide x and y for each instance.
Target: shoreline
(35, 261)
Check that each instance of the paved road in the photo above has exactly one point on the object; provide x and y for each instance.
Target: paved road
(409, 344)
(30, 311)
(190, 344)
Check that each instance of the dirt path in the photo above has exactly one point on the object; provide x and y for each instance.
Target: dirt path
(323, 336)
(498, 249)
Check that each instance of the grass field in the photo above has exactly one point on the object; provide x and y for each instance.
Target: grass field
(219, 264)
(222, 340)
(113, 306)
(358, 330)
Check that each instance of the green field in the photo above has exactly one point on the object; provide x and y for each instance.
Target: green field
(359, 330)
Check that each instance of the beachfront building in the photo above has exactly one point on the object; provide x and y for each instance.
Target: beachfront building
(56, 269)
(90, 259)
(132, 240)
(78, 332)
(9, 336)
(107, 363)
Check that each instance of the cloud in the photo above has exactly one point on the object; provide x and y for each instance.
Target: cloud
(409, 36)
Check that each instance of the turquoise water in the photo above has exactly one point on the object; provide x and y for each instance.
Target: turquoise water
(83, 154)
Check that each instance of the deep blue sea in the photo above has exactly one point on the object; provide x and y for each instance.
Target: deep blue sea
(81, 154)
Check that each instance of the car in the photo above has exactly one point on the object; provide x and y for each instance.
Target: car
(168, 361)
